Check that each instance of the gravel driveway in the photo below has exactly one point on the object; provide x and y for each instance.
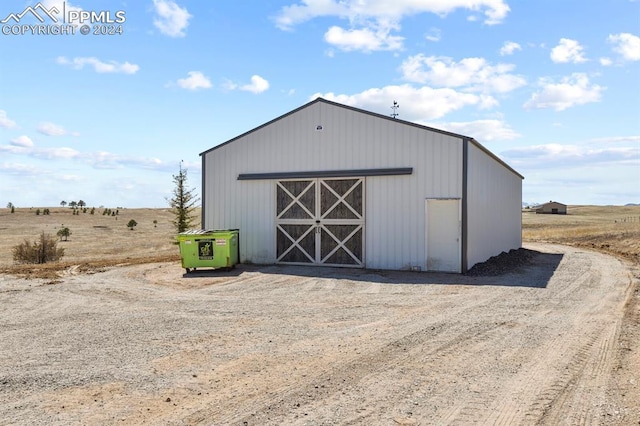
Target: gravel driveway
(316, 346)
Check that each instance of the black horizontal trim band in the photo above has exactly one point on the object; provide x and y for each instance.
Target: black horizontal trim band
(327, 174)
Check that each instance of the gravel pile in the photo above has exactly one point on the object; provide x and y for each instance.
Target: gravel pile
(503, 263)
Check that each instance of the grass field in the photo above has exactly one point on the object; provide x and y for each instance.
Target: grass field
(100, 240)
(610, 229)
(96, 240)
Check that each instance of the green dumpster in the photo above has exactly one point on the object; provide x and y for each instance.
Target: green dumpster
(209, 249)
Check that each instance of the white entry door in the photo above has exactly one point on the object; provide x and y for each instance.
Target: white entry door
(320, 221)
(444, 235)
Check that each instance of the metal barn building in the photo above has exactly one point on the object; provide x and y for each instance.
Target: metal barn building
(552, 207)
(329, 184)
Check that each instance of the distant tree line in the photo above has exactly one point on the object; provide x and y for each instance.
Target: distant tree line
(73, 204)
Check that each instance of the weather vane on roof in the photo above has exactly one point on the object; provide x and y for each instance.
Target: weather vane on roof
(395, 107)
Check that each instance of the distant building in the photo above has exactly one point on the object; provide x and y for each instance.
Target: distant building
(552, 207)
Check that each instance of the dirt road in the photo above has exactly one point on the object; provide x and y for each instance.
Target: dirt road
(315, 346)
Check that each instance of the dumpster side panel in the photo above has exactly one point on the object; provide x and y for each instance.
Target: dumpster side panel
(188, 251)
(209, 249)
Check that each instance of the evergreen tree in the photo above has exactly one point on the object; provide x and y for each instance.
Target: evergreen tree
(64, 233)
(183, 202)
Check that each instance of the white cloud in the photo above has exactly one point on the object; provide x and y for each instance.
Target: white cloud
(626, 45)
(417, 104)
(372, 22)
(571, 91)
(99, 160)
(616, 139)
(22, 141)
(434, 35)
(480, 130)
(195, 81)
(568, 51)
(51, 129)
(98, 65)
(553, 154)
(495, 11)
(257, 85)
(6, 122)
(366, 39)
(606, 62)
(473, 74)
(21, 170)
(171, 19)
(509, 47)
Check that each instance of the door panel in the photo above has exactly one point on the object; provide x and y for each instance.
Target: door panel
(320, 221)
(443, 235)
(341, 245)
(296, 199)
(296, 243)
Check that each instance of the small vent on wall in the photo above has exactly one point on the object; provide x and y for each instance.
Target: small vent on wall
(319, 128)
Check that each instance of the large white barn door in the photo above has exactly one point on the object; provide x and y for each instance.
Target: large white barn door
(320, 221)
(444, 235)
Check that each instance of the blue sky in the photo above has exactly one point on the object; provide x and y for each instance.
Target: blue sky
(550, 86)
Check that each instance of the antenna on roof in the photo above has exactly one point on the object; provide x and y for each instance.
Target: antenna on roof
(395, 107)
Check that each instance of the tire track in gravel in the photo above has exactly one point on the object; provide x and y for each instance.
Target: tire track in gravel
(563, 399)
(496, 408)
(489, 408)
(570, 395)
(441, 336)
(585, 377)
(469, 341)
(348, 374)
(434, 343)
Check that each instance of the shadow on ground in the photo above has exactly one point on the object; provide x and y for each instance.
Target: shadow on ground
(535, 272)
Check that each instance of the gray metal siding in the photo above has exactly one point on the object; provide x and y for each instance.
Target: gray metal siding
(395, 217)
(494, 203)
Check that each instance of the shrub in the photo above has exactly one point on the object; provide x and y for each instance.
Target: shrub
(132, 223)
(42, 250)
(64, 233)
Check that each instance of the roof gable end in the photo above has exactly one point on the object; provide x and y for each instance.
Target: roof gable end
(374, 114)
(338, 105)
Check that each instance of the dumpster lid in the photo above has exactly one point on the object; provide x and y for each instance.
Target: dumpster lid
(205, 231)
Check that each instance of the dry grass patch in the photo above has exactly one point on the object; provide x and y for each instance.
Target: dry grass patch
(610, 229)
(96, 241)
